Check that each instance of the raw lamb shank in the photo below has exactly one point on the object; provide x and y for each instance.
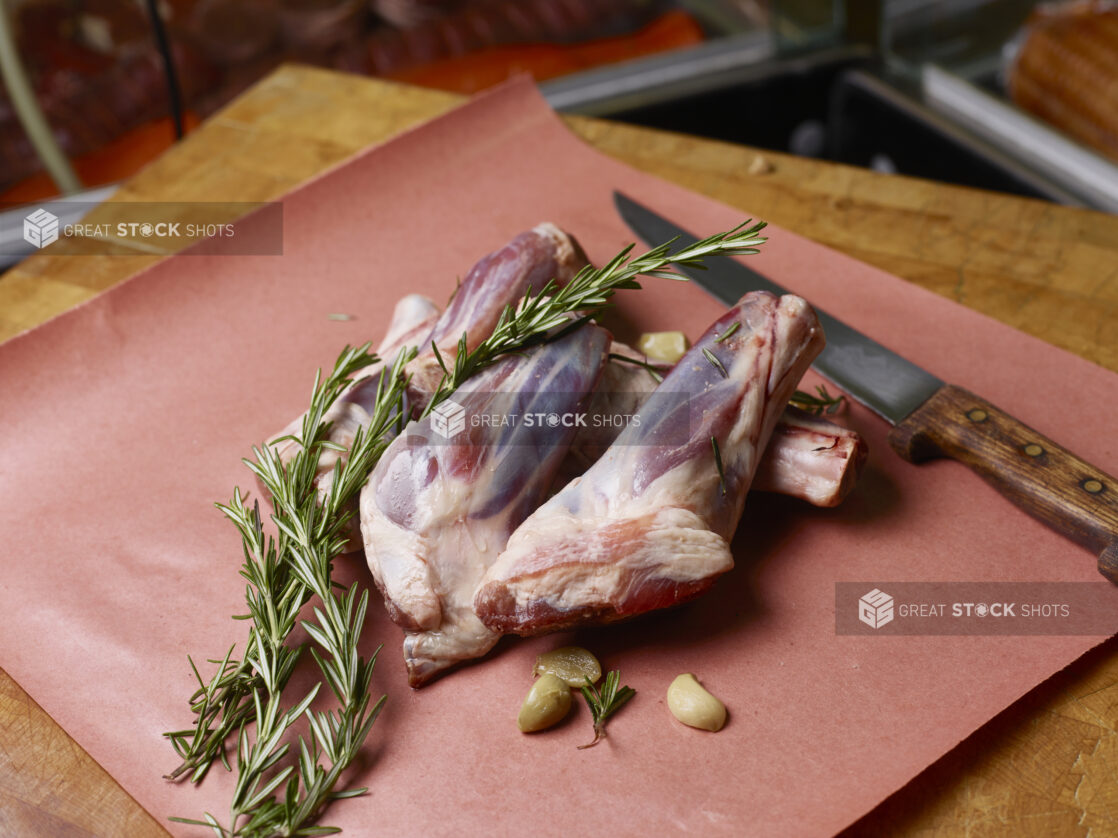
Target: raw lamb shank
(437, 512)
(527, 262)
(807, 457)
(648, 525)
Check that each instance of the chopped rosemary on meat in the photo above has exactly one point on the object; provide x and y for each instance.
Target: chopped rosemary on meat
(726, 334)
(718, 464)
(714, 362)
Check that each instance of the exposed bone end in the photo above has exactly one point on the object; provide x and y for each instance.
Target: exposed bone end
(429, 654)
(413, 313)
(422, 671)
(797, 328)
(850, 450)
(562, 577)
(812, 459)
(570, 258)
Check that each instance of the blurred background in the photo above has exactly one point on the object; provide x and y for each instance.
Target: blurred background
(1003, 94)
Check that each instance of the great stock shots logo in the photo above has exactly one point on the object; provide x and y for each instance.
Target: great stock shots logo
(543, 419)
(448, 419)
(193, 228)
(955, 608)
(40, 228)
(875, 609)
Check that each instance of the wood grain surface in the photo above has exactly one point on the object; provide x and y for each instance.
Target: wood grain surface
(1044, 767)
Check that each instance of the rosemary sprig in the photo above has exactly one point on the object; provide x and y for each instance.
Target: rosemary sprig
(604, 702)
(284, 572)
(273, 595)
(819, 404)
(539, 313)
(336, 735)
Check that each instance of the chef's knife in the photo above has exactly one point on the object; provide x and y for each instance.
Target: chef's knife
(931, 418)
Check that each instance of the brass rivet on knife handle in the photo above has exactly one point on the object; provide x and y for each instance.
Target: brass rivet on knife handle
(1045, 480)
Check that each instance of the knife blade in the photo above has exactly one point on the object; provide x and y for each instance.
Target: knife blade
(931, 418)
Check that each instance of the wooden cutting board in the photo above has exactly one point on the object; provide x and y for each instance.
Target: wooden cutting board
(1043, 767)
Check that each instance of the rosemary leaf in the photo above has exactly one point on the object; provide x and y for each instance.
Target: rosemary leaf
(718, 464)
(726, 334)
(819, 404)
(714, 362)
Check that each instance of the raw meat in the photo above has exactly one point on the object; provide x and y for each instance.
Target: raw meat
(497, 280)
(808, 457)
(437, 511)
(649, 523)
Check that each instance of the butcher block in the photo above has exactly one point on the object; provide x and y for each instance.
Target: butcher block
(1041, 767)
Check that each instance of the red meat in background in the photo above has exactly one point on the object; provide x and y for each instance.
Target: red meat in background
(100, 81)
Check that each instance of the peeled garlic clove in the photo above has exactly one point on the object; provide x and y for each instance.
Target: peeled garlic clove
(572, 664)
(693, 705)
(546, 704)
(666, 347)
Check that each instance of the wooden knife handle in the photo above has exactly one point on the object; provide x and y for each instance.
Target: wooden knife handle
(1047, 481)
